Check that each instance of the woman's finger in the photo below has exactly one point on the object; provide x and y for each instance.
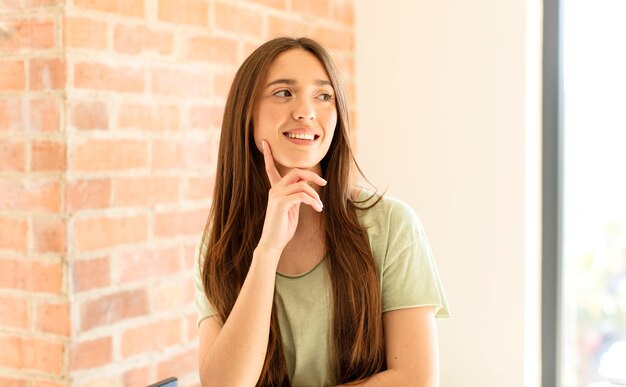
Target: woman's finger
(296, 175)
(302, 186)
(270, 168)
(302, 197)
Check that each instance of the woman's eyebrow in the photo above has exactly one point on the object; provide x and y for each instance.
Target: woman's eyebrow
(291, 82)
(323, 82)
(282, 80)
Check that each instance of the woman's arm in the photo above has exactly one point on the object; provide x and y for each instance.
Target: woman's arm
(233, 354)
(412, 350)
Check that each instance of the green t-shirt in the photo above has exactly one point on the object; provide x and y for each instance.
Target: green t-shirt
(408, 278)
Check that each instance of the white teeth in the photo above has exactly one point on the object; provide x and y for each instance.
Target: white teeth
(301, 136)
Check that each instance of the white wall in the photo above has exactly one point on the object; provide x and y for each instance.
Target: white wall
(448, 99)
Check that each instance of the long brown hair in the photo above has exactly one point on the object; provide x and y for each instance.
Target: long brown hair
(236, 223)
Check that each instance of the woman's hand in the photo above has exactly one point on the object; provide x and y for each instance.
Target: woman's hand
(283, 205)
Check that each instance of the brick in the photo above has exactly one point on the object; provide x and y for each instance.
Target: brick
(350, 92)
(87, 194)
(91, 274)
(21, 114)
(13, 382)
(31, 354)
(176, 223)
(138, 39)
(47, 383)
(317, 8)
(206, 117)
(284, 26)
(25, 5)
(277, 4)
(43, 115)
(98, 76)
(137, 377)
(53, 318)
(14, 312)
(112, 308)
(87, 115)
(91, 354)
(47, 74)
(13, 233)
(12, 155)
(30, 195)
(12, 76)
(221, 84)
(180, 364)
(144, 264)
(145, 191)
(85, 32)
(212, 49)
(189, 254)
(181, 83)
(171, 295)
(48, 235)
(345, 65)
(134, 8)
(31, 276)
(240, 20)
(200, 188)
(192, 327)
(343, 12)
(202, 151)
(334, 39)
(189, 12)
(186, 153)
(214, 144)
(109, 154)
(248, 48)
(96, 233)
(151, 337)
(11, 113)
(27, 35)
(47, 156)
(148, 117)
(102, 381)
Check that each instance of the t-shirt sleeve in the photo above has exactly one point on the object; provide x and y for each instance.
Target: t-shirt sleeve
(203, 306)
(409, 276)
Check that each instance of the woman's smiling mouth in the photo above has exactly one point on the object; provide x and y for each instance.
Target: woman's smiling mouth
(301, 136)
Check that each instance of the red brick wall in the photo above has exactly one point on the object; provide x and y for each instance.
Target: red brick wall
(35, 327)
(109, 122)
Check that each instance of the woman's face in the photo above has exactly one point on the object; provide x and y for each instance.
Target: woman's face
(296, 111)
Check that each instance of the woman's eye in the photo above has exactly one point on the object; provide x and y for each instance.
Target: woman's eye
(283, 93)
(325, 97)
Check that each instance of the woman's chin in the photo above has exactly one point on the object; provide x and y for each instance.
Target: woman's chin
(299, 164)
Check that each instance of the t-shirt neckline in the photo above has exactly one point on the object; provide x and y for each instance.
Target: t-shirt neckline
(296, 276)
(362, 192)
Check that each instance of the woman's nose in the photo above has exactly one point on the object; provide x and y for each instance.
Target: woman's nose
(303, 111)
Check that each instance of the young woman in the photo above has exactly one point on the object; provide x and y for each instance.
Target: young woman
(302, 278)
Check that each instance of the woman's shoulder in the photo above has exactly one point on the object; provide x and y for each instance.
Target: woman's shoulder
(383, 204)
(389, 212)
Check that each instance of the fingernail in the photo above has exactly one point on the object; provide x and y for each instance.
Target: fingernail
(320, 203)
(325, 182)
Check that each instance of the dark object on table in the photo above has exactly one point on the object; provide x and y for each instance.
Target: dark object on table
(169, 382)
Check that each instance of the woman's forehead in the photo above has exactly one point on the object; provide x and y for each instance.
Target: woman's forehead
(297, 64)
